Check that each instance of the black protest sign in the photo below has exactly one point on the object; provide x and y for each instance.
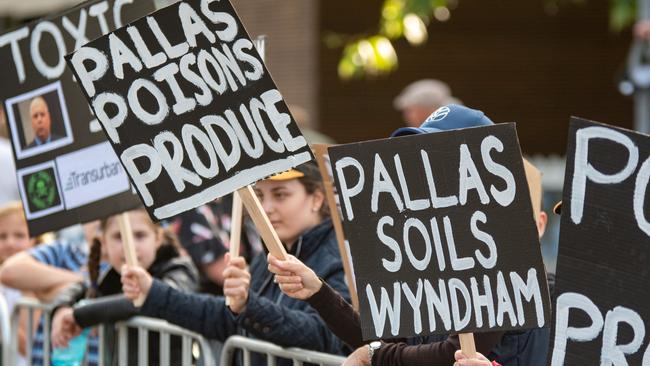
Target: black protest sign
(602, 294)
(67, 171)
(442, 234)
(188, 105)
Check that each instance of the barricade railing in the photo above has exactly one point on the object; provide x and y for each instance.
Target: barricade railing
(9, 326)
(31, 306)
(272, 352)
(165, 330)
(9, 331)
(5, 331)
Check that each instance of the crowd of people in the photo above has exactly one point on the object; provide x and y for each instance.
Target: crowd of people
(186, 274)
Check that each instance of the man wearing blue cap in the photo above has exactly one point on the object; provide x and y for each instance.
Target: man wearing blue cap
(445, 118)
(510, 349)
(514, 348)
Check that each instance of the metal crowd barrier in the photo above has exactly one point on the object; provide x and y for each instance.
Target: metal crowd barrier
(31, 306)
(5, 330)
(9, 331)
(144, 325)
(272, 352)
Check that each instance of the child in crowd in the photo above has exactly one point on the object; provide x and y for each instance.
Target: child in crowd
(14, 238)
(45, 270)
(295, 204)
(157, 250)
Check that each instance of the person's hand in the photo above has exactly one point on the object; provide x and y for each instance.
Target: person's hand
(295, 279)
(642, 29)
(64, 327)
(136, 282)
(236, 283)
(360, 357)
(462, 360)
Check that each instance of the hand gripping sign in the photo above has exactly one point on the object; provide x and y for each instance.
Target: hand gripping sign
(189, 107)
(441, 233)
(603, 299)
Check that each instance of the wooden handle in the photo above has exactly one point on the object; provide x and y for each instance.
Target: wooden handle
(235, 228)
(129, 247)
(257, 214)
(467, 344)
(321, 153)
(235, 225)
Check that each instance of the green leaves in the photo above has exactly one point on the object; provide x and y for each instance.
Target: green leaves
(374, 55)
(622, 13)
(370, 56)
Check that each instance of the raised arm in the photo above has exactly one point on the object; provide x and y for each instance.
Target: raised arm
(431, 353)
(298, 281)
(23, 272)
(204, 314)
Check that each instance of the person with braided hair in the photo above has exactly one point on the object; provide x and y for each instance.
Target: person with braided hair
(157, 250)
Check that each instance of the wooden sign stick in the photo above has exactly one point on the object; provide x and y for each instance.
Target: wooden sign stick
(467, 344)
(257, 214)
(235, 225)
(129, 247)
(320, 152)
(235, 228)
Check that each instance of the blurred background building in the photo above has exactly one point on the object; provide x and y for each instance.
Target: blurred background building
(534, 62)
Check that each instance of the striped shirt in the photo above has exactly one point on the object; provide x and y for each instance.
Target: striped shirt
(72, 257)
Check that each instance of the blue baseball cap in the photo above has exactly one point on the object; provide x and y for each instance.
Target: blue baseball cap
(445, 118)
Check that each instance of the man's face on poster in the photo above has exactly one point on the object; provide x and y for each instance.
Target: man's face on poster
(41, 123)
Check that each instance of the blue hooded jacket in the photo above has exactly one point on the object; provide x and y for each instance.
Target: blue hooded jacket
(269, 314)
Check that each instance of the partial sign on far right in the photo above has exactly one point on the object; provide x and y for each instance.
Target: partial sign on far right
(603, 298)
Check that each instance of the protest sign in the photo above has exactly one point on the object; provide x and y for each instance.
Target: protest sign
(602, 295)
(67, 171)
(442, 234)
(189, 106)
(325, 168)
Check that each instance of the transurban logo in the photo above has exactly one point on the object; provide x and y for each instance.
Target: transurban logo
(80, 179)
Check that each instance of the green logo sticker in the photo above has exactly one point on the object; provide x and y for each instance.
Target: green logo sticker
(42, 192)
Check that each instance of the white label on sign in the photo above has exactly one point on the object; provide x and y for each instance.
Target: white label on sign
(91, 174)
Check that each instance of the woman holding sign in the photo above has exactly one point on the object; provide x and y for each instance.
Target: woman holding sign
(294, 203)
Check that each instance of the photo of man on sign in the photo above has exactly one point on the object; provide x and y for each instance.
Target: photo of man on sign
(41, 119)
(39, 113)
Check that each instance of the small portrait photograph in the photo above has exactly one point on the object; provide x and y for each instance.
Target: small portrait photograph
(39, 121)
(40, 190)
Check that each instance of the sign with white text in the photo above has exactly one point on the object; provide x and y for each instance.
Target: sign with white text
(188, 105)
(52, 129)
(442, 234)
(603, 300)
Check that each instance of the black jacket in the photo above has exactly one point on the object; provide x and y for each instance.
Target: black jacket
(111, 306)
(269, 314)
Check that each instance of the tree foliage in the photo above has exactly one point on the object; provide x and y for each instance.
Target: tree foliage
(368, 55)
